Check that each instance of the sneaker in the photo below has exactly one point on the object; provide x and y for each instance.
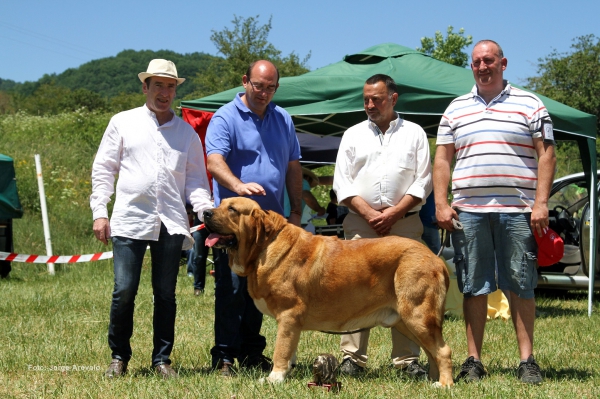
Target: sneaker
(529, 372)
(471, 370)
(260, 362)
(415, 370)
(350, 368)
(225, 368)
(198, 292)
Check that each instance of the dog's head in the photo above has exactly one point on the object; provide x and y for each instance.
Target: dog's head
(239, 225)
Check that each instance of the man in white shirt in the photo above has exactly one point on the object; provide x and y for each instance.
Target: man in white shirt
(383, 175)
(160, 163)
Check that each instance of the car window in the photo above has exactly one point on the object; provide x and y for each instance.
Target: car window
(572, 197)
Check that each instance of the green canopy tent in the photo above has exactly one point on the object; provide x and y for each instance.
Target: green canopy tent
(10, 208)
(328, 100)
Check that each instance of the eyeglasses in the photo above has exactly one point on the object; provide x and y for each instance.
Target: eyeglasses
(259, 87)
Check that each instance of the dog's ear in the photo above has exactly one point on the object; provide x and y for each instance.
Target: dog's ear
(249, 239)
(266, 223)
(273, 222)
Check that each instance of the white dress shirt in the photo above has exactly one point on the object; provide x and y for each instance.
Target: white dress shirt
(160, 168)
(382, 168)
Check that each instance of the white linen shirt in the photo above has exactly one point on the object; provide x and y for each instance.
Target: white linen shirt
(383, 168)
(159, 168)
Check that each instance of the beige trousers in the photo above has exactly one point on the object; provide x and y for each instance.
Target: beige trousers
(354, 346)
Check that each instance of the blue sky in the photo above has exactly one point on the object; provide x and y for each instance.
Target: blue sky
(42, 36)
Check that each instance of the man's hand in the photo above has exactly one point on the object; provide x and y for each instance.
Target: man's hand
(244, 189)
(539, 219)
(444, 215)
(383, 222)
(102, 230)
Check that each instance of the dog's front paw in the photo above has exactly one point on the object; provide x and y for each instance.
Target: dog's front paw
(438, 384)
(276, 377)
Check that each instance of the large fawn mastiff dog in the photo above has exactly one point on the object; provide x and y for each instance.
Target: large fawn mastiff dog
(311, 282)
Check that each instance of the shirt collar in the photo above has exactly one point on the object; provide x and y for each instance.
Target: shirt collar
(242, 107)
(504, 92)
(152, 115)
(393, 124)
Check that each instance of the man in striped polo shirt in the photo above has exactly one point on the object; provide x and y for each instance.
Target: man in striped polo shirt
(504, 145)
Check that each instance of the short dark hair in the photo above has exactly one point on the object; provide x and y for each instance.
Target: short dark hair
(500, 52)
(251, 66)
(389, 82)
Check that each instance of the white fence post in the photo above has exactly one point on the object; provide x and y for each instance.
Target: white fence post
(38, 168)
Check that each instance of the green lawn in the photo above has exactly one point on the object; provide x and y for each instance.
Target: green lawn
(54, 328)
(54, 346)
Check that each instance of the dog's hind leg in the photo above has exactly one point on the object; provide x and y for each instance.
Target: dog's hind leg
(433, 368)
(427, 332)
(286, 343)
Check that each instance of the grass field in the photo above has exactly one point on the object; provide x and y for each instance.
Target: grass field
(54, 345)
(54, 328)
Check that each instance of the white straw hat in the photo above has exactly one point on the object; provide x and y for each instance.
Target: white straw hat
(160, 67)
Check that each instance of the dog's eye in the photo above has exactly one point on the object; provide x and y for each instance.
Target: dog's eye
(231, 209)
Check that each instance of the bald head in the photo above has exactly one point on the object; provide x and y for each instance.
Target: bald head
(260, 82)
(498, 51)
(263, 66)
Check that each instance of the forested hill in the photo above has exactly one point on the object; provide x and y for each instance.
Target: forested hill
(111, 76)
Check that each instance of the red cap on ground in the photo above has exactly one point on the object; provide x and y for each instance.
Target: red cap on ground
(551, 247)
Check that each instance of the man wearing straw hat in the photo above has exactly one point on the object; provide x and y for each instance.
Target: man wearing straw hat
(160, 163)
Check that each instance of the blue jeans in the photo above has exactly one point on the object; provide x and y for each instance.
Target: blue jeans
(495, 250)
(237, 320)
(431, 238)
(199, 257)
(128, 255)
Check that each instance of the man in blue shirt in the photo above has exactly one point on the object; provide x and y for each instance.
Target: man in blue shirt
(252, 151)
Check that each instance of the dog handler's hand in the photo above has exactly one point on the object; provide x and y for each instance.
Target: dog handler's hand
(444, 216)
(250, 189)
(539, 219)
(102, 230)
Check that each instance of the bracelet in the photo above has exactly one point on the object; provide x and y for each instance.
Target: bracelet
(296, 212)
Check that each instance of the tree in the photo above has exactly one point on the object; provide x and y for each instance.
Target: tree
(125, 101)
(46, 100)
(245, 43)
(6, 103)
(449, 50)
(572, 78)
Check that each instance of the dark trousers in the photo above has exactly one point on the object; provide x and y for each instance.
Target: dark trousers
(199, 259)
(128, 256)
(237, 320)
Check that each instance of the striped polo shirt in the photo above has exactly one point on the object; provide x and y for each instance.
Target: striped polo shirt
(496, 162)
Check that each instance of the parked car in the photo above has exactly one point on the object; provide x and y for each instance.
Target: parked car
(570, 217)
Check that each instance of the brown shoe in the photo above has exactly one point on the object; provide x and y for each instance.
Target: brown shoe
(117, 368)
(225, 368)
(166, 371)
